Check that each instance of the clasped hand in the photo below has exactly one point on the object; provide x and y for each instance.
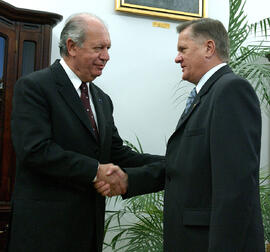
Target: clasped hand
(111, 180)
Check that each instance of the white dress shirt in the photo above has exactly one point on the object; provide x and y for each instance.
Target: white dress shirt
(75, 80)
(207, 76)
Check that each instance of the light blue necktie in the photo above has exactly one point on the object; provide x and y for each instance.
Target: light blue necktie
(190, 99)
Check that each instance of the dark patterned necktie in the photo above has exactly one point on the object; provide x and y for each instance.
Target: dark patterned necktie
(190, 99)
(86, 103)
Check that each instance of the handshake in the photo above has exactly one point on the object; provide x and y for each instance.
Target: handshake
(111, 180)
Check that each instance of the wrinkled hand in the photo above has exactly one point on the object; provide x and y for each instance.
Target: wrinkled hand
(111, 180)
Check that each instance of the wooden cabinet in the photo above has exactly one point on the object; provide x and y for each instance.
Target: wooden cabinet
(25, 46)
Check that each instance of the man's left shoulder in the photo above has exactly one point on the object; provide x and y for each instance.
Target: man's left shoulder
(232, 80)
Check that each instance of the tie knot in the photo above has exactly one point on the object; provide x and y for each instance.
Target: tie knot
(84, 88)
(193, 93)
(83, 85)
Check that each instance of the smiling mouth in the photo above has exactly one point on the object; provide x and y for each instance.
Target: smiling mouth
(100, 66)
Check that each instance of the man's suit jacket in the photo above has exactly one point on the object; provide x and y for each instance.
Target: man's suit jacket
(212, 164)
(55, 206)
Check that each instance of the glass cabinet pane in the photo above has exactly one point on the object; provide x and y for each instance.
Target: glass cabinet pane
(2, 64)
(28, 60)
(2, 57)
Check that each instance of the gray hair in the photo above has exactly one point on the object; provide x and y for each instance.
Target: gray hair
(75, 28)
(208, 28)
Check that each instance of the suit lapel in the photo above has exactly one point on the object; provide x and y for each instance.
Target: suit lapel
(69, 94)
(206, 87)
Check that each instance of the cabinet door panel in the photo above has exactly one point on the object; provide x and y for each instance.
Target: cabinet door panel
(9, 75)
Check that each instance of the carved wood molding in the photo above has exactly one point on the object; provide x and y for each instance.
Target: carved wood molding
(31, 16)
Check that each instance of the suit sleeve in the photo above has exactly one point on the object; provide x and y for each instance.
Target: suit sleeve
(145, 179)
(235, 156)
(32, 138)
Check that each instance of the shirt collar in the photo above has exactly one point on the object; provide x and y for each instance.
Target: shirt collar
(207, 76)
(71, 75)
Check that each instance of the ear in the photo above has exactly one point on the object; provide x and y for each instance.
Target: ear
(71, 47)
(210, 48)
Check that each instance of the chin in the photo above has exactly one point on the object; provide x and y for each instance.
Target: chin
(184, 78)
(98, 73)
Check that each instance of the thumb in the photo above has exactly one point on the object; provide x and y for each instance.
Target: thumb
(111, 171)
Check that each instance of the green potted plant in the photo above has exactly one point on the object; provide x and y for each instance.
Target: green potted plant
(265, 204)
(249, 59)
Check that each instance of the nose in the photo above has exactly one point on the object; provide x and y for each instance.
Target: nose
(104, 55)
(178, 58)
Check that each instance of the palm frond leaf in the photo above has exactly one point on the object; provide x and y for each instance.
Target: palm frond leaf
(264, 26)
(238, 26)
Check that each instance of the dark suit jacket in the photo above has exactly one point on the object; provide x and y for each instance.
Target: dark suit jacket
(55, 207)
(212, 165)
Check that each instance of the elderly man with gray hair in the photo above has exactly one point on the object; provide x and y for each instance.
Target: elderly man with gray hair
(65, 139)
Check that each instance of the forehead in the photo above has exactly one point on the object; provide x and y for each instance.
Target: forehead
(184, 41)
(187, 39)
(185, 35)
(97, 32)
